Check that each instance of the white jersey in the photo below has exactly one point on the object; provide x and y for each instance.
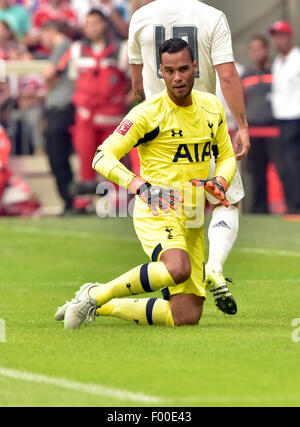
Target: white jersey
(286, 86)
(205, 29)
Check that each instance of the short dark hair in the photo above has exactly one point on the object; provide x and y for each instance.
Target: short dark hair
(59, 26)
(261, 38)
(175, 45)
(97, 12)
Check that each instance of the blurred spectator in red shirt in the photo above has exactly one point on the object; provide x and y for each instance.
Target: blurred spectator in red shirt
(101, 88)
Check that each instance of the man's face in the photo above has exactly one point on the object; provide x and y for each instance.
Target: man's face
(178, 71)
(95, 28)
(283, 42)
(259, 52)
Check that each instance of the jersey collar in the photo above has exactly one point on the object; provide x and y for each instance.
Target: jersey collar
(172, 104)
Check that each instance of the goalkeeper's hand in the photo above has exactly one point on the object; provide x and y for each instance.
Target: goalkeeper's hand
(155, 197)
(217, 187)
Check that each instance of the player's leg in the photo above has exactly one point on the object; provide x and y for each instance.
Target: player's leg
(141, 311)
(222, 234)
(182, 309)
(224, 225)
(220, 245)
(187, 299)
(174, 268)
(146, 278)
(186, 309)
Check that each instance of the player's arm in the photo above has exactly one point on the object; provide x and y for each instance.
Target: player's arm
(223, 60)
(107, 163)
(137, 82)
(136, 59)
(233, 92)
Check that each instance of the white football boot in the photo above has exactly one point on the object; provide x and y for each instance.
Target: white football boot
(81, 309)
(60, 314)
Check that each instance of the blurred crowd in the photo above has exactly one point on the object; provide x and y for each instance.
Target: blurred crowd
(82, 93)
(85, 90)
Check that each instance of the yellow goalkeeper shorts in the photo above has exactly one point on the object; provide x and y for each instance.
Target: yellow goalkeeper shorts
(158, 234)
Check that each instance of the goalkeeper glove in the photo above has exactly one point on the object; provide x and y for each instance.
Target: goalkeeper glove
(217, 187)
(155, 197)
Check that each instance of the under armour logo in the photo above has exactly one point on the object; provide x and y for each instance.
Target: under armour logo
(211, 127)
(180, 133)
(222, 224)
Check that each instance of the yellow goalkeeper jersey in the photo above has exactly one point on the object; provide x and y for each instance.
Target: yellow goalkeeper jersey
(175, 144)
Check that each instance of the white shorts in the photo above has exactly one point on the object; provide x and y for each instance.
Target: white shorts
(235, 192)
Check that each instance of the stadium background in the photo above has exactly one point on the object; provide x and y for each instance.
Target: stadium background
(245, 19)
(248, 18)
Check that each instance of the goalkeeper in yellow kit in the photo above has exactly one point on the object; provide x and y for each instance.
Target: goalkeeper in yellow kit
(175, 133)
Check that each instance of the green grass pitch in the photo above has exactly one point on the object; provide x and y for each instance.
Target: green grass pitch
(246, 360)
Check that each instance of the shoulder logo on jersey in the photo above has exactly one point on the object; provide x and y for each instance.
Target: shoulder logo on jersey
(175, 134)
(124, 127)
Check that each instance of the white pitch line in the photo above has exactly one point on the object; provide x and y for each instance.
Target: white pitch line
(125, 395)
(93, 389)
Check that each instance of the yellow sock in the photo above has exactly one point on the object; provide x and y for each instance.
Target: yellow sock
(145, 278)
(143, 311)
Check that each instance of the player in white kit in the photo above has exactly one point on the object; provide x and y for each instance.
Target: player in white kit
(207, 31)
